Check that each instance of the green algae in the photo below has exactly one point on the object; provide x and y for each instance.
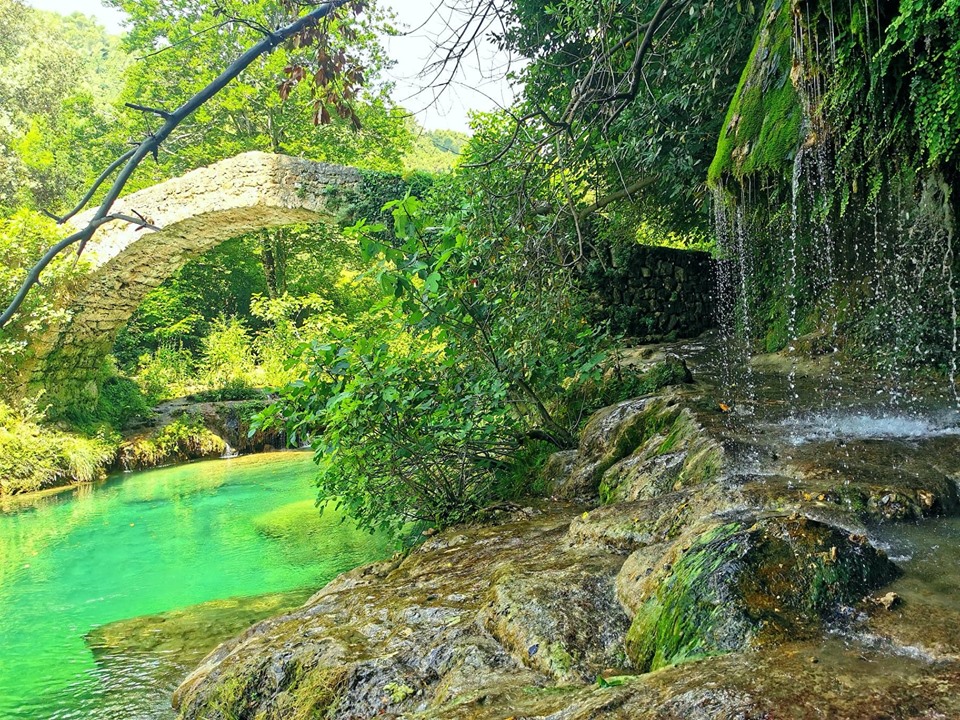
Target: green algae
(676, 624)
(736, 585)
(660, 431)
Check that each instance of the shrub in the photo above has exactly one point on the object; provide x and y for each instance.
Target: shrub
(405, 435)
(227, 354)
(35, 457)
(165, 373)
(120, 402)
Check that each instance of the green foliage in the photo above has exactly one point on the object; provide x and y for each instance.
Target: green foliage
(405, 435)
(228, 354)
(23, 238)
(252, 114)
(165, 373)
(186, 438)
(434, 151)
(120, 402)
(55, 93)
(34, 456)
(430, 418)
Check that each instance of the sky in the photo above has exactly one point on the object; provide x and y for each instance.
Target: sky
(480, 87)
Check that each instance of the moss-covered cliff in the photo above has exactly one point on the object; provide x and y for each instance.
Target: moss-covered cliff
(762, 129)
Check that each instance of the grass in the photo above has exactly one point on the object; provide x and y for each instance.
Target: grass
(186, 438)
(35, 456)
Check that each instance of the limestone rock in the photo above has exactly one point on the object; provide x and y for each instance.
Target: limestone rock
(747, 581)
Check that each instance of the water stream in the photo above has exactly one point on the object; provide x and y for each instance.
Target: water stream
(73, 564)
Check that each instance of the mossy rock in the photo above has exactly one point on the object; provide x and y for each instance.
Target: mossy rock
(762, 129)
(610, 435)
(624, 527)
(743, 583)
(675, 454)
(559, 615)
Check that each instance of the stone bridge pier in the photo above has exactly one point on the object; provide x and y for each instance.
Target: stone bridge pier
(195, 213)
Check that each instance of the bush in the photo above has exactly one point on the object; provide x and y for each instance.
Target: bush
(120, 402)
(166, 373)
(236, 390)
(35, 457)
(227, 354)
(406, 436)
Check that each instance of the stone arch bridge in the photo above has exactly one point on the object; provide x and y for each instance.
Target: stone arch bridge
(195, 213)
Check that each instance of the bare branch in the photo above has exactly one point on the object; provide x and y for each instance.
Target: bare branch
(143, 108)
(613, 197)
(33, 277)
(93, 188)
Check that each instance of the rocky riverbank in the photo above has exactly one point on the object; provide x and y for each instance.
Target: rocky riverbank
(183, 430)
(691, 564)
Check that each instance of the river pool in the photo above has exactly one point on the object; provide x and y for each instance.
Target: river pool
(239, 536)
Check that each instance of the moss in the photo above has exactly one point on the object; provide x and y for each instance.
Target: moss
(561, 661)
(666, 430)
(701, 465)
(316, 693)
(36, 456)
(762, 128)
(737, 585)
(650, 423)
(677, 623)
(308, 693)
(230, 699)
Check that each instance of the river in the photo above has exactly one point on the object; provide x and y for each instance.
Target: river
(158, 542)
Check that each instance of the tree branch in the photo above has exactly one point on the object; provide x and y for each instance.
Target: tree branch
(151, 145)
(143, 108)
(33, 276)
(619, 195)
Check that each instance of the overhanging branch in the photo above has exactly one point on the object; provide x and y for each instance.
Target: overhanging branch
(618, 195)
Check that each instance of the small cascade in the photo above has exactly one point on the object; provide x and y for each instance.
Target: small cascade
(864, 269)
(792, 274)
(229, 452)
(725, 297)
(733, 298)
(742, 248)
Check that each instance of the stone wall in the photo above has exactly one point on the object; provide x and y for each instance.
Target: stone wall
(653, 293)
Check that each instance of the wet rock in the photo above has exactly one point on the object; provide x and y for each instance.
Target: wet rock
(675, 453)
(876, 480)
(624, 527)
(720, 581)
(468, 613)
(610, 435)
(744, 582)
(557, 472)
(563, 621)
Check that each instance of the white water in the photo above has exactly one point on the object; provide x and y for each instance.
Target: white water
(865, 426)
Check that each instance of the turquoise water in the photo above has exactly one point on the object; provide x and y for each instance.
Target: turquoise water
(148, 543)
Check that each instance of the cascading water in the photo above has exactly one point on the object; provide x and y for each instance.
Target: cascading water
(871, 269)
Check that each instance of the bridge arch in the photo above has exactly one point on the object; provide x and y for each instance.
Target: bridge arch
(195, 213)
